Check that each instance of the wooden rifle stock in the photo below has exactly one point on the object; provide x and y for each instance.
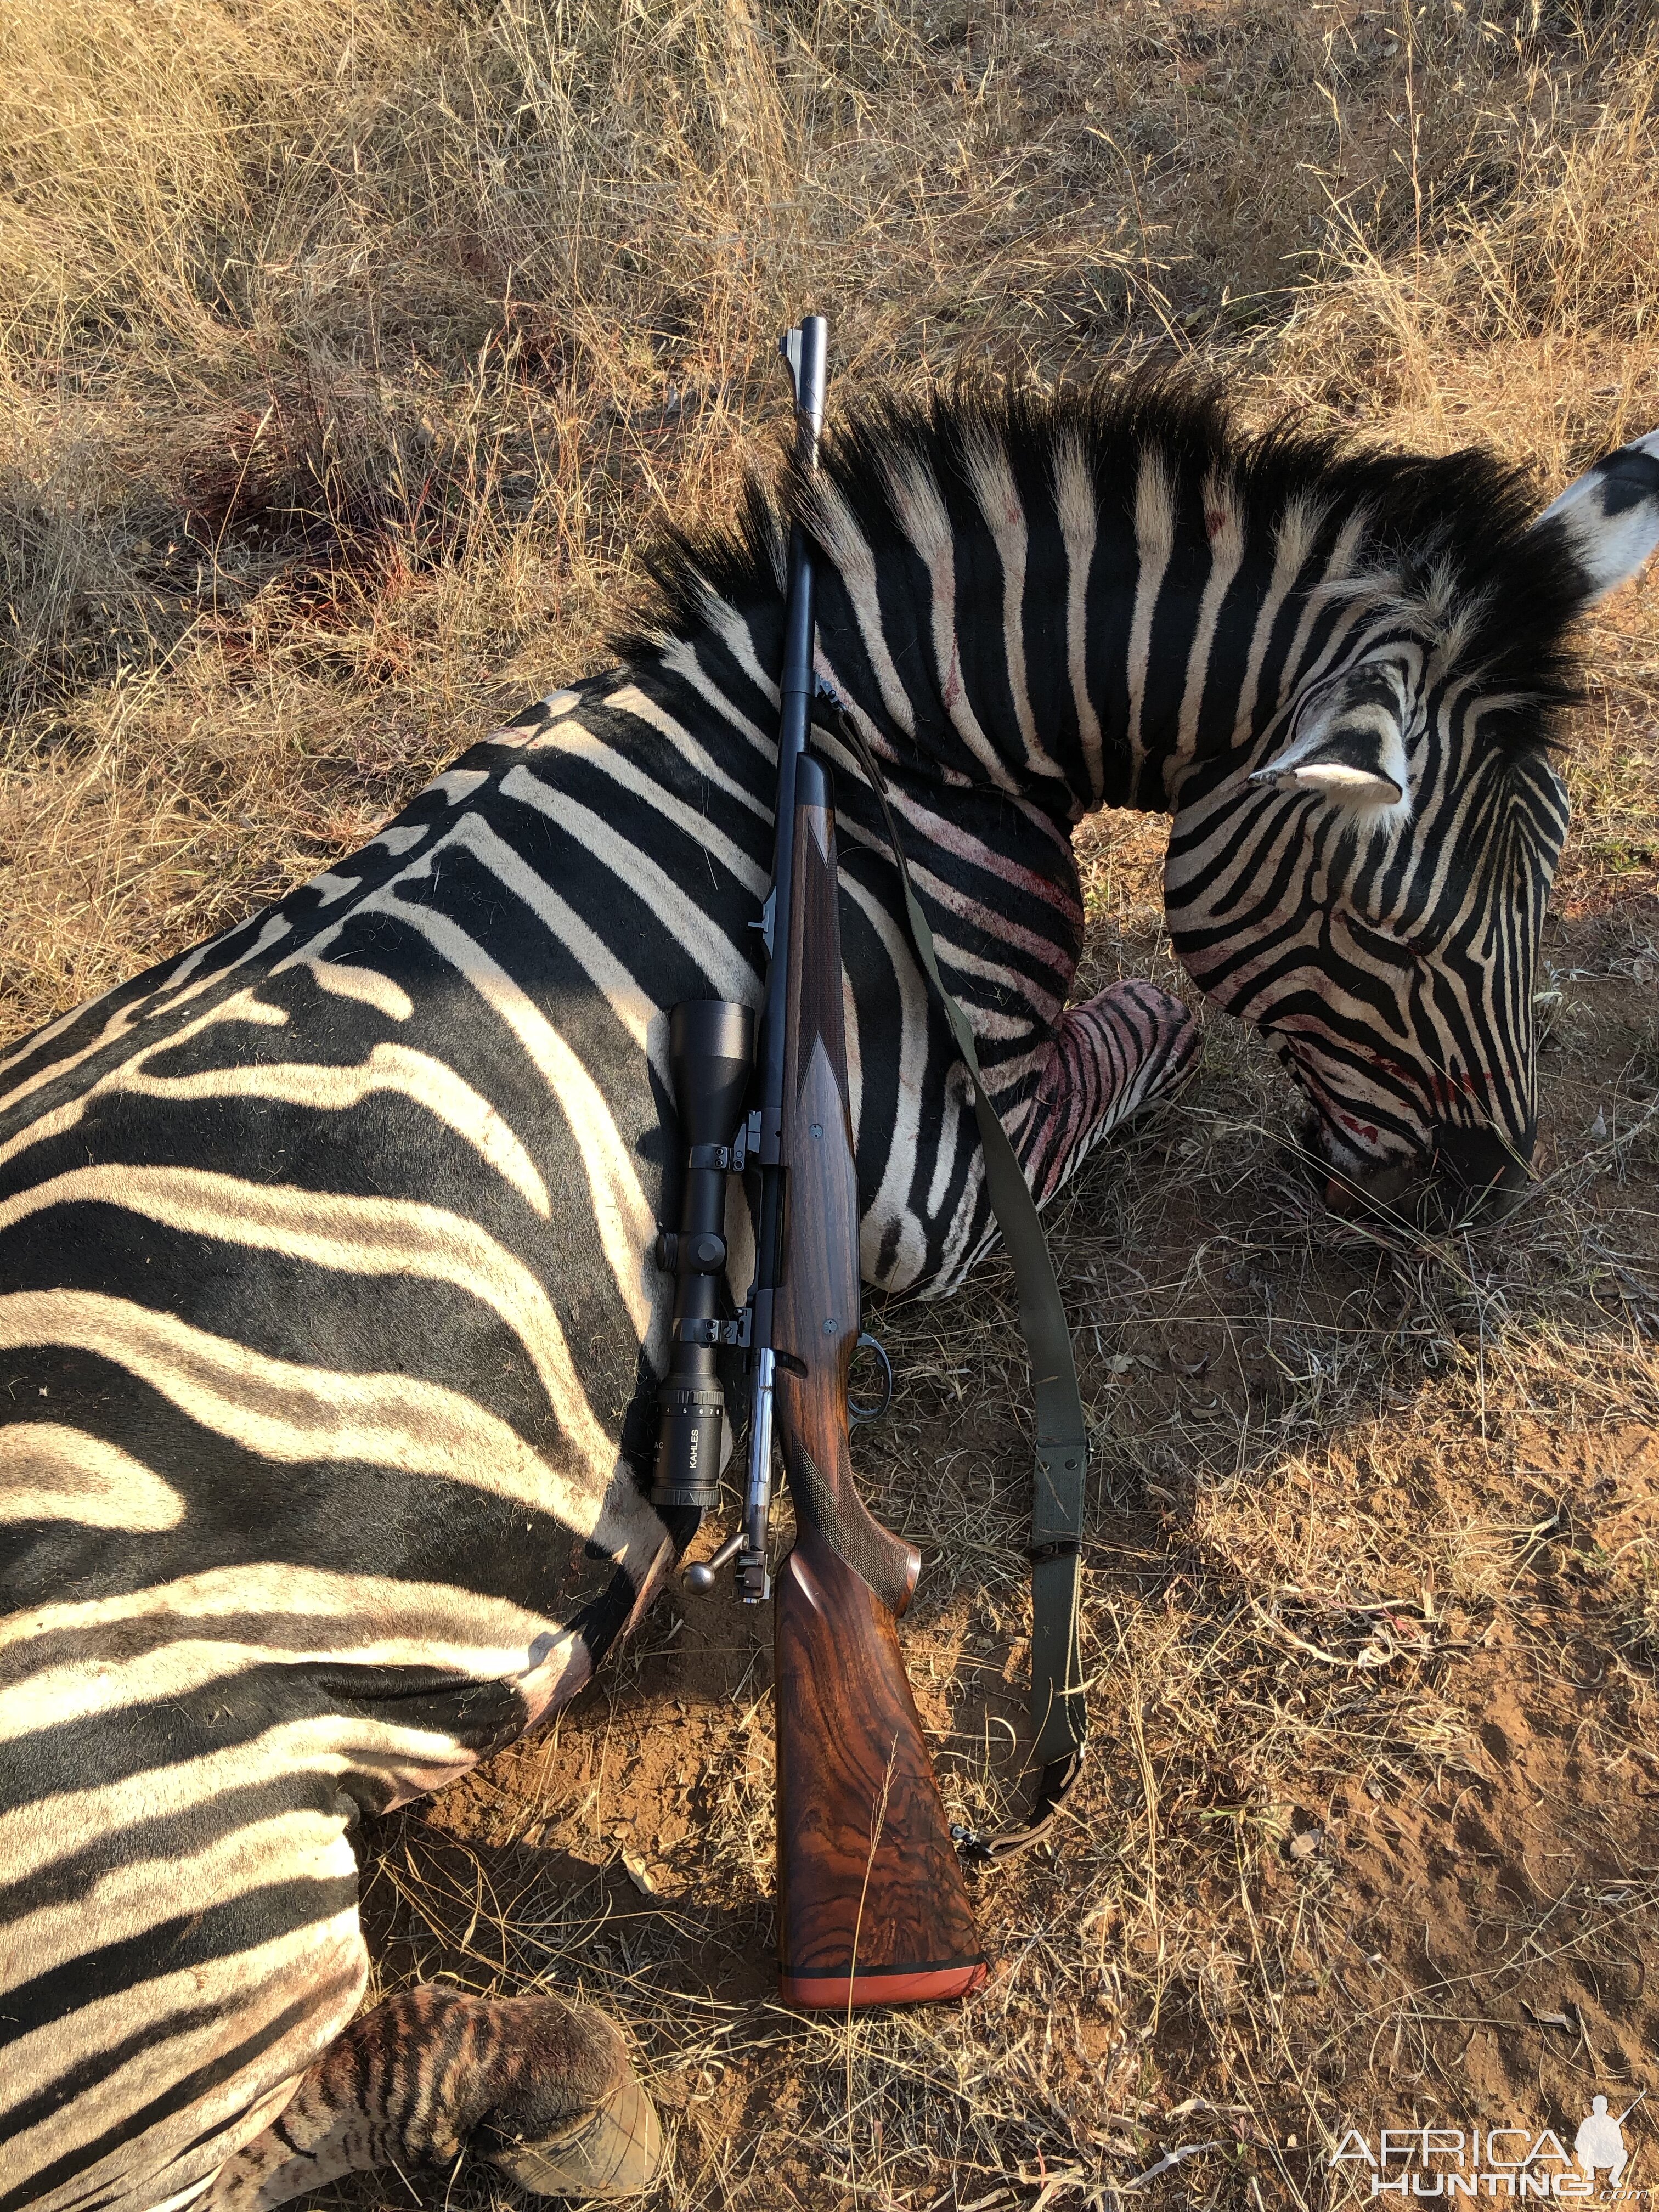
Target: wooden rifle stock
(872, 1908)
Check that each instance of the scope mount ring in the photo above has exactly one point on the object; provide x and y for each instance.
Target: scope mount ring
(857, 1412)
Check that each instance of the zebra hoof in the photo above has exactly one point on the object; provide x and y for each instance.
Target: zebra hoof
(612, 2152)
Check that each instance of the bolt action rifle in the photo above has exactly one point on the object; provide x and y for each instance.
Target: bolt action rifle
(872, 1908)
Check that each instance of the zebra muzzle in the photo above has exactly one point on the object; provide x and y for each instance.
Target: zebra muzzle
(1464, 1176)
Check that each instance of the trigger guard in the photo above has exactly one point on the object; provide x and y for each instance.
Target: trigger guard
(857, 1413)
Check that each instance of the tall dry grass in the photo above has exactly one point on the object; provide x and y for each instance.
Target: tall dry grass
(351, 347)
(349, 351)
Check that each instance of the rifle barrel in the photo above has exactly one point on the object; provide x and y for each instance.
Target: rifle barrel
(806, 351)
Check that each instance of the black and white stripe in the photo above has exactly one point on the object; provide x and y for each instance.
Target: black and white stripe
(327, 1323)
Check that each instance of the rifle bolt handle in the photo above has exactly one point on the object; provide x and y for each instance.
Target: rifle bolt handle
(701, 1578)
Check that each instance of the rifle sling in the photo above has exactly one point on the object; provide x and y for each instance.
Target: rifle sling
(1058, 1719)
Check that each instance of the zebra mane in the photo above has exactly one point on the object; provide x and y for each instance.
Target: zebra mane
(1448, 536)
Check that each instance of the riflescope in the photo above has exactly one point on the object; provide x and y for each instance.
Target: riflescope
(711, 1058)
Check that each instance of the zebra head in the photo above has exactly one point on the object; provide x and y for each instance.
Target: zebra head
(1365, 877)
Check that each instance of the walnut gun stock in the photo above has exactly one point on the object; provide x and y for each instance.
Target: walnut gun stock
(872, 1908)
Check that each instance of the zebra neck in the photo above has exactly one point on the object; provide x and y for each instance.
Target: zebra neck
(1092, 655)
(1125, 632)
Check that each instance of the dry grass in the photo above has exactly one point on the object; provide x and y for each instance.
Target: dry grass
(351, 348)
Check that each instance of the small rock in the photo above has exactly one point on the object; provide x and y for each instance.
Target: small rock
(1304, 1845)
(635, 1868)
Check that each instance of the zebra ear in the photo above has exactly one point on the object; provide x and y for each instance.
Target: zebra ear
(1610, 515)
(1347, 744)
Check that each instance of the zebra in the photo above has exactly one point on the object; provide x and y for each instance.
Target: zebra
(329, 1319)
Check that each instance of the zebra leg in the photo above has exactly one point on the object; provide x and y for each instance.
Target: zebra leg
(1114, 1056)
(538, 2088)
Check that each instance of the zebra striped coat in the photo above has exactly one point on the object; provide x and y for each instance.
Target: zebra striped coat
(328, 1323)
